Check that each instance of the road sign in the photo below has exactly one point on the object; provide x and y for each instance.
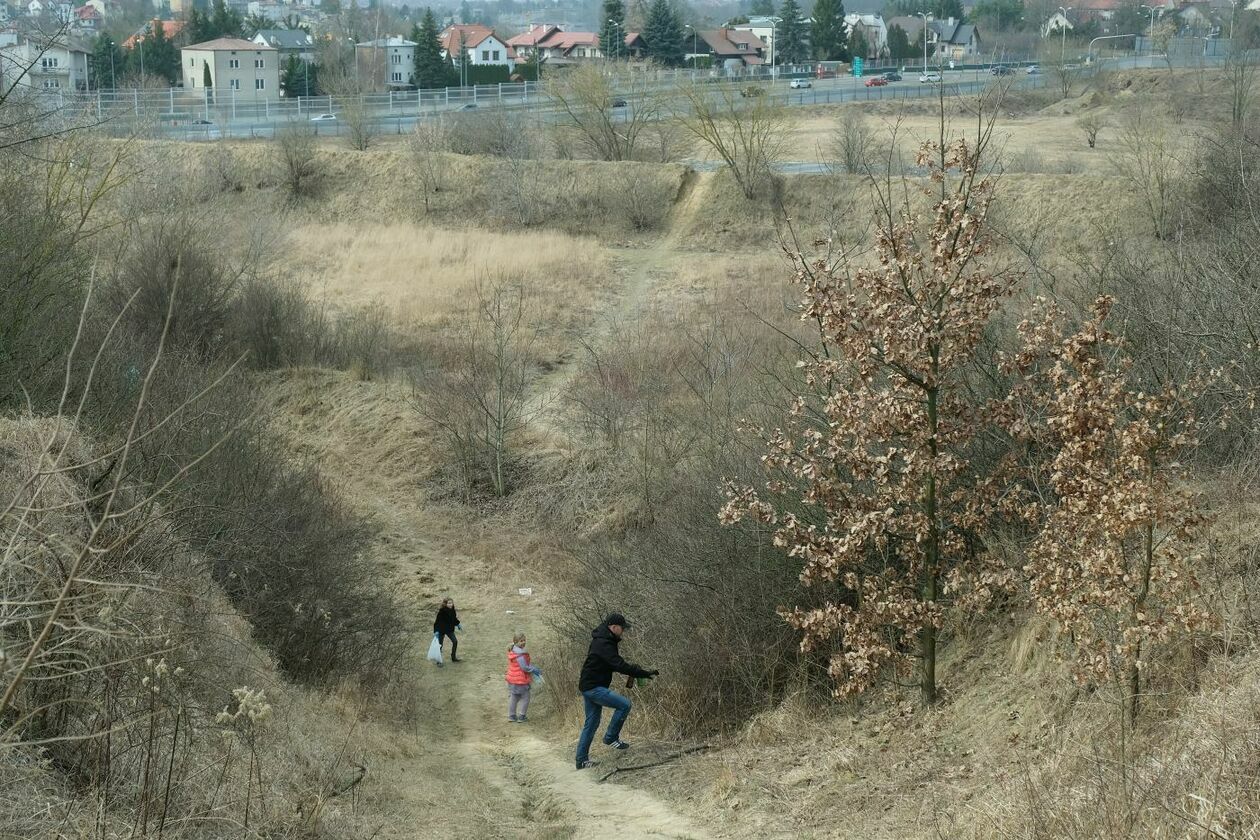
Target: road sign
(857, 67)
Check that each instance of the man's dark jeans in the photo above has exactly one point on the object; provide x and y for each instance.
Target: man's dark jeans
(596, 699)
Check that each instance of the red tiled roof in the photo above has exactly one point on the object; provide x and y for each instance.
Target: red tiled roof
(220, 44)
(540, 32)
(568, 40)
(87, 13)
(474, 34)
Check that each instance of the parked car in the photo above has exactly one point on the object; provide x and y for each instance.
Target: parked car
(619, 103)
(324, 118)
(797, 84)
(876, 81)
(1033, 70)
(930, 79)
(751, 90)
(892, 76)
(1001, 70)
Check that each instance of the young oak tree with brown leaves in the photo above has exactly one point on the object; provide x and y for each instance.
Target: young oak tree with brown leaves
(894, 506)
(1119, 529)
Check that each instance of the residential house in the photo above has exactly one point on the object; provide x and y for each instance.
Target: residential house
(287, 42)
(170, 29)
(1197, 19)
(243, 68)
(635, 46)
(388, 63)
(730, 47)
(479, 44)
(554, 43)
(1055, 25)
(87, 19)
(955, 40)
(523, 46)
(872, 28)
(37, 62)
(763, 28)
(562, 47)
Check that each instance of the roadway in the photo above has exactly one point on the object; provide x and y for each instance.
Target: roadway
(822, 91)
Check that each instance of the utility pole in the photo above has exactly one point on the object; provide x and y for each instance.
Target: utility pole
(925, 29)
(694, 57)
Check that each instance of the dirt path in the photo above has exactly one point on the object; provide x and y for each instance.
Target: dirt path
(465, 770)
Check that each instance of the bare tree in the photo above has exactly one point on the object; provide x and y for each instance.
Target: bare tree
(1240, 83)
(853, 141)
(1091, 123)
(1145, 155)
(606, 122)
(295, 159)
(747, 133)
(427, 145)
(477, 399)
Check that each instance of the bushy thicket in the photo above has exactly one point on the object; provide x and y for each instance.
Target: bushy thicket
(663, 419)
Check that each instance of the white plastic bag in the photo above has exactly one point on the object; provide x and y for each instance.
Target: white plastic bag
(435, 649)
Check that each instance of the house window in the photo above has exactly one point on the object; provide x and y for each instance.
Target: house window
(496, 55)
(51, 84)
(234, 64)
(395, 77)
(192, 62)
(235, 84)
(395, 59)
(48, 63)
(260, 63)
(259, 84)
(485, 55)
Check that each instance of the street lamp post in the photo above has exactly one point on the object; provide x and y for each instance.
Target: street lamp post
(774, 37)
(694, 56)
(1150, 33)
(1063, 34)
(616, 45)
(925, 29)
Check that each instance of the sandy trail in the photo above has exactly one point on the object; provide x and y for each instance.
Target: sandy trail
(468, 770)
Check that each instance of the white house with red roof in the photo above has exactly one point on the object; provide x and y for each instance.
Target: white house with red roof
(559, 47)
(479, 44)
(87, 18)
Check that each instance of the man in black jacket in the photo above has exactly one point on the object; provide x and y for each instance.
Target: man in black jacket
(602, 661)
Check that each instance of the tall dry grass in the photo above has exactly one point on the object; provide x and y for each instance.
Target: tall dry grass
(427, 278)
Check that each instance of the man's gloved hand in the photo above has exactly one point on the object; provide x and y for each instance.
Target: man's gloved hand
(654, 673)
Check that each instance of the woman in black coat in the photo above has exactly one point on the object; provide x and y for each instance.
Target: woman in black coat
(445, 625)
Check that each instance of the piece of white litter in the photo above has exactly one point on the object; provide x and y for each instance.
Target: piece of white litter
(510, 612)
(526, 590)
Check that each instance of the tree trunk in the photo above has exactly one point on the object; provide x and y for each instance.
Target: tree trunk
(931, 564)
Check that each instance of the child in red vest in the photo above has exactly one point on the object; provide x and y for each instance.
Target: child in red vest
(520, 673)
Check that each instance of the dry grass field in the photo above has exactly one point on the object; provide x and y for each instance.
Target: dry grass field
(1011, 725)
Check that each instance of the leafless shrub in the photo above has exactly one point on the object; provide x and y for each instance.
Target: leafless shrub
(427, 144)
(477, 398)
(495, 132)
(608, 122)
(665, 140)
(1145, 155)
(853, 141)
(1091, 124)
(296, 161)
(644, 201)
(747, 134)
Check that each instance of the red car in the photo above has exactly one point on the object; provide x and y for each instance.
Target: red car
(876, 81)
